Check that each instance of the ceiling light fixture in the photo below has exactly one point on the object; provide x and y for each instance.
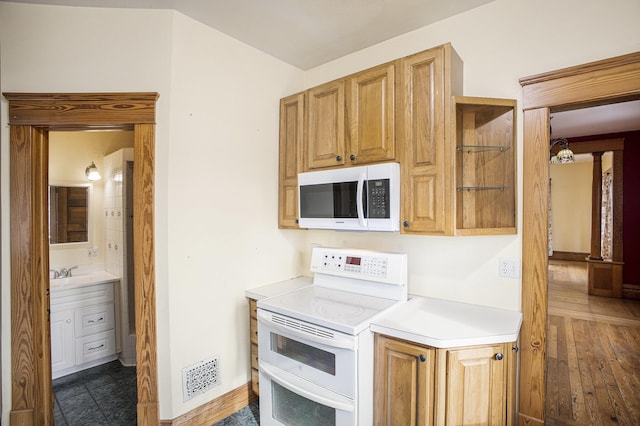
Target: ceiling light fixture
(92, 172)
(564, 156)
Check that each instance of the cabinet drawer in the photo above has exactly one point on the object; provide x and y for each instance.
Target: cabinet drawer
(255, 382)
(75, 297)
(253, 330)
(94, 319)
(253, 308)
(254, 356)
(95, 346)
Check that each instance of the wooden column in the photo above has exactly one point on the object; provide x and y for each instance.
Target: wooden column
(596, 208)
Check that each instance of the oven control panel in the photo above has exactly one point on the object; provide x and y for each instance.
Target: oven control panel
(337, 262)
(360, 264)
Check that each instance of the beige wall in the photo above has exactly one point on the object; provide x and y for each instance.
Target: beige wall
(217, 150)
(571, 206)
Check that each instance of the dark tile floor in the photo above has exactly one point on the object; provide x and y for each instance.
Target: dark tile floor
(102, 395)
(106, 395)
(246, 416)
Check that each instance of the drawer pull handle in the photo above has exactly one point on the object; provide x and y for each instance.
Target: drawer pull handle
(96, 347)
(96, 320)
(422, 358)
(499, 356)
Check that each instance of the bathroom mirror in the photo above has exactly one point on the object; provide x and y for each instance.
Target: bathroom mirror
(68, 214)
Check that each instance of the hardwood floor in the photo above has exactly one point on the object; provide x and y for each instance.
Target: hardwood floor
(593, 353)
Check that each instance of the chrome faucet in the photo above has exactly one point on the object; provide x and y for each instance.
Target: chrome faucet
(56, 274)
(65, 272)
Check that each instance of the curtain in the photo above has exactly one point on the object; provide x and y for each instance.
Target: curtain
(607, 216)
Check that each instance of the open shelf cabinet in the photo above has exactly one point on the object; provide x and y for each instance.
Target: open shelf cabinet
(485, 160)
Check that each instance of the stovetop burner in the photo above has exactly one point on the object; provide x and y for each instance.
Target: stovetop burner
(351, 288)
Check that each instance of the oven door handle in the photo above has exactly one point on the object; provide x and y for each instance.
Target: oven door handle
(302, 392)
(336, 342)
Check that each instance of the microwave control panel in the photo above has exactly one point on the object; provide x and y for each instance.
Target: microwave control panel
(378, 199)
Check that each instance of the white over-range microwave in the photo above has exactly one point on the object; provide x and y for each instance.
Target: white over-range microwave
(365, 198)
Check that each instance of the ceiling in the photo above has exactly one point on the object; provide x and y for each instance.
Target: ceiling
(308, 33)
(303, 33)
(600, 120)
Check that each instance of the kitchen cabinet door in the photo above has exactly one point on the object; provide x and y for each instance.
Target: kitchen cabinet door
(476, 387)
(325, 139)
(291, 144)
(371, 115)
(427, 81)
(404, 383)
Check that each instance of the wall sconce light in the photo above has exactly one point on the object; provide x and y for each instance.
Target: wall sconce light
(564, 156)
(92, 172)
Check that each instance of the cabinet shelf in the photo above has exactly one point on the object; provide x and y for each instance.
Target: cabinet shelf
(485, 166)
(481, 148)
(481, 188)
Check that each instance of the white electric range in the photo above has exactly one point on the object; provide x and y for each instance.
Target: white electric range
(315, 348)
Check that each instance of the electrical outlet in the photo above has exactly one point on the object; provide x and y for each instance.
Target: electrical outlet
(92, 252)
(509, 268)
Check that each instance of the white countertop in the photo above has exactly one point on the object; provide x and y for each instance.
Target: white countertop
(278, 288)
(446, 324)
(82, 279)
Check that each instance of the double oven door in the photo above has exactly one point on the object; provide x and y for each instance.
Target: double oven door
(307, 373)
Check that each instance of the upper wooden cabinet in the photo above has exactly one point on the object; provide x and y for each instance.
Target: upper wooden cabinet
(325, 115)
(371, 115)
(427, 80)
(291, 142)
(351, 121)
(457, 154)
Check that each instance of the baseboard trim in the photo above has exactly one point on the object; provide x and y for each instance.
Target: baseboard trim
(631, 291)
(569, 255)
(215, 410)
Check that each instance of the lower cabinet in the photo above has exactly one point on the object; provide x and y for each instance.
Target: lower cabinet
(421, 385)
(253, 330)
(83, 331)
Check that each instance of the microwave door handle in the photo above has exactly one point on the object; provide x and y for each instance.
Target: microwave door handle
(302, 392)
(359, 202)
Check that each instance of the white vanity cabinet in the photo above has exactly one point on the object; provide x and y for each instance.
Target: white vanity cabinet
(83, 331)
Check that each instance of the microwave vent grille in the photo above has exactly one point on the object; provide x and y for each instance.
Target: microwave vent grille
(303, 327)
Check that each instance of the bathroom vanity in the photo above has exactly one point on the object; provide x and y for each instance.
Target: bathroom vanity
(83, 322)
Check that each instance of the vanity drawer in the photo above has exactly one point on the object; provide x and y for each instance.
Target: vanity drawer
(95, 346)
(76, 297)
(94, 319)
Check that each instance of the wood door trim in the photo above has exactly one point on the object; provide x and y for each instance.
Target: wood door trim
(31, 116)
(595, 83)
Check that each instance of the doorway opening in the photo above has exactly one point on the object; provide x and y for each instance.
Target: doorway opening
(93, 351)
(597, 83)
(31, 118)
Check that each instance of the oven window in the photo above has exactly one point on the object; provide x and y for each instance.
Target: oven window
(305, 354)
(291, 409)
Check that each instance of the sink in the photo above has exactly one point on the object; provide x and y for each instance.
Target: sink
(82, 278)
